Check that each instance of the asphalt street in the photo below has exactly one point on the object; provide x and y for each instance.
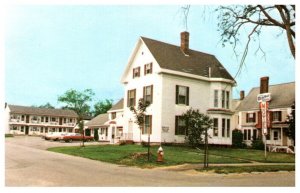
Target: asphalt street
(29, 164)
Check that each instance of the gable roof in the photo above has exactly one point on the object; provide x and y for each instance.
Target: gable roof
(41, 111)
(99, 120)
(282, 96)
(118, 106)
(171, 57)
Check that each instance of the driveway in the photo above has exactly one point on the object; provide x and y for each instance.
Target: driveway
(27, 163)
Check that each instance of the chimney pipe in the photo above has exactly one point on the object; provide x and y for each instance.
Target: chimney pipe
(264, 84)
(184, 45)
(242, 95)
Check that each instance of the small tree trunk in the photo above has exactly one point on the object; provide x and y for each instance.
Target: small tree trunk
(148, 145)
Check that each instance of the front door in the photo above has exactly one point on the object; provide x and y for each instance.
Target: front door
(284, 137)
(26, 130)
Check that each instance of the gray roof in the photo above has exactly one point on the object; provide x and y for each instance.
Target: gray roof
(98, 120)
(282, 96)
(41, 111)
(119, 105)
(172, 58)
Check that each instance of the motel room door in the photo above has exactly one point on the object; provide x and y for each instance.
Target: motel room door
(26, 130)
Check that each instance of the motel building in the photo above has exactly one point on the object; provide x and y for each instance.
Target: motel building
(23, 120)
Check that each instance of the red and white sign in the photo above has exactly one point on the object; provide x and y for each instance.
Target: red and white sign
(264, 109)
(263, 97)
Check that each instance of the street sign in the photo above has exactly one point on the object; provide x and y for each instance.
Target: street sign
(264, 108)
(263, 97)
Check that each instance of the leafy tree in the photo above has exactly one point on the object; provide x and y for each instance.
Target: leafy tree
(139, 114)
(79, 102)
(238, 139)
(47, 106)
(102, 106)
(234, 20)
(197, 123)
(292, 121)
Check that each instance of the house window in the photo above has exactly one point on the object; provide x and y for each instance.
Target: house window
(147, 124)
(180, 125)
(276, 135)
(250, 117)
(254, 136)
(247, 134)
(136, 72)
(223, 98)
(131, 98)
(182, 95)
(148, 94)
(148, 68)
(223, 127)
(276, 116)
(113, 115)
(216, 127)
(227, 99)
(228, 127)
(216, 98)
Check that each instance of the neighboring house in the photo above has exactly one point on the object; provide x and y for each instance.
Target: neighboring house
(22, 120)
(174, 79)
(249, 114)
(110, 124)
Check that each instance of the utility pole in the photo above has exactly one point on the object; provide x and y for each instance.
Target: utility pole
(206, 148)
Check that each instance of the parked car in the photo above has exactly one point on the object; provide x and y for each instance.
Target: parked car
(76, 137)
(54, 136)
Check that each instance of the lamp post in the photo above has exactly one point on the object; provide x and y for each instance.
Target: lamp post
(205, 147)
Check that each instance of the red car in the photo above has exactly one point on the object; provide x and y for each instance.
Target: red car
(76, 137)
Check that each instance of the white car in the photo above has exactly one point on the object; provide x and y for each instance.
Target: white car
(54, 136)
(66, 134)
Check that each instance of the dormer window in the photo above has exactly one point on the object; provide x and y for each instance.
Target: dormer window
(136, 72)
(148, 68)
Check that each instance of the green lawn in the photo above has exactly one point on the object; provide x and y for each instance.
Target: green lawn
(135, 155)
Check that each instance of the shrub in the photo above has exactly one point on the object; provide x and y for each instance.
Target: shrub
(9, 135)
(144, 143)
(258, 144)
(237, 139)
(122, 142)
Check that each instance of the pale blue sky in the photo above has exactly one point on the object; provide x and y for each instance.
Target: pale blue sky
(50, 49)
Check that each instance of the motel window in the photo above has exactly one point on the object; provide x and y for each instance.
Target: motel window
(34, 118)
(131, 98)
(227, 99)
(147, 124)
(47, 119)
(276, 116)
(65, 120)
(223, 98)
(180, 125)
(22, 128)
(46, 129)
(22, 117)
(216, 98)
(42, 119)
(228, 127)
(136, 72)
(70, 130)
(53, 119)
(60, 129)
(148, 68)
(182, 95)
(148, 94)
(250, 117)
(223, 127)
(216, 127)
(15, 128)
(71, 120)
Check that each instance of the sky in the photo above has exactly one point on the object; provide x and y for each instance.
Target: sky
(50, 49)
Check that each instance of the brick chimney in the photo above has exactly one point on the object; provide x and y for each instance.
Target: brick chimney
(242, 95)
(184, 45)
(264, 84)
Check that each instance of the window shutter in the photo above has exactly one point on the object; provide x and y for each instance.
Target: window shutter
(280, 117)
(187, 96)
(254, 117)
(259, 122)
(151, 93)
(139, 70)
(144, 94)
(177, 91)
(151, 68)
(134, 103)
(145, 69)
(269, 119)
(128, 98)
(247, 117)
(176, 125)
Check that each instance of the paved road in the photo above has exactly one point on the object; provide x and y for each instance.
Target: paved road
(28, 164)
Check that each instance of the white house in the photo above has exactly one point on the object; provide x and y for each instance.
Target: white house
(23, 120)
(174, 79)
(279, 109)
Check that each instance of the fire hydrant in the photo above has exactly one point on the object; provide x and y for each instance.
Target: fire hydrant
(160, 154)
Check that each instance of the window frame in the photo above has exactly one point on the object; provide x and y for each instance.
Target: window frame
(131, 101)
(147, 124)
(179, 96)
(136, 72)
(215, 127)
(180, 129)
(216, 98)
(148, 97)
(249, 119)
(148, 68)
